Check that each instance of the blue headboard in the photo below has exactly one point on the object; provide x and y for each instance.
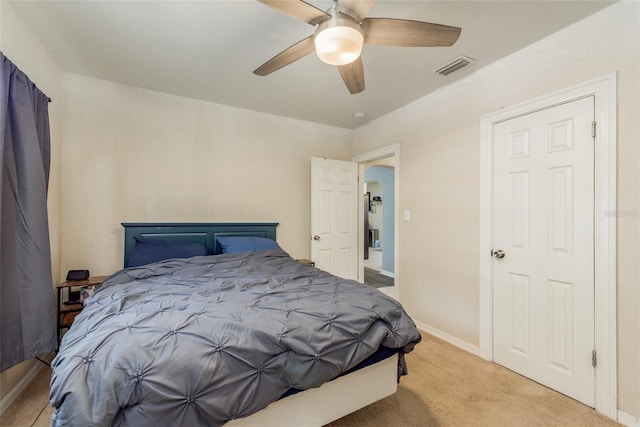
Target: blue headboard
(196, 232)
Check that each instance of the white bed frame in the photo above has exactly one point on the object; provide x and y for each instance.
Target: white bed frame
(335, 399)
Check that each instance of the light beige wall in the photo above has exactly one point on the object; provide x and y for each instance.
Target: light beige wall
(439, 136)
(136, 155)
(21, 46)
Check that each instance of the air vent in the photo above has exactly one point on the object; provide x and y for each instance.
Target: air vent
(455, 64)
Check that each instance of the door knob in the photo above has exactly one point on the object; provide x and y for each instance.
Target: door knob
(315, 237)
(498, 254)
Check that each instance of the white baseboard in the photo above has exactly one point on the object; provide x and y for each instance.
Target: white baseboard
(388, 274)
(448, 338)
(628, 420)
(19, 388)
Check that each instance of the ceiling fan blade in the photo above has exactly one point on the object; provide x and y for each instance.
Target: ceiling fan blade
(402, 32)
(286, 57)
(298, 9)
(353, 76)
(361, 8)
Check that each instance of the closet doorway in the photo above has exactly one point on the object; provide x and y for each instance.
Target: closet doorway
(378, 220)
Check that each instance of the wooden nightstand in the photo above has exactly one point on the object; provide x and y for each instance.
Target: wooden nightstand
(66, 313)
(307, 262)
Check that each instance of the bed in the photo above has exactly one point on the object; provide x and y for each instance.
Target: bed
(232, 331)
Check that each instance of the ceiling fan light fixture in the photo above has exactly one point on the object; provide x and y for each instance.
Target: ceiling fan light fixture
(338, 41)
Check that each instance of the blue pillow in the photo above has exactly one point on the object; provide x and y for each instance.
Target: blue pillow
(235, 244)
(147, 251)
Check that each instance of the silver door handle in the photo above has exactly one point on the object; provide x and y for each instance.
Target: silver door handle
(315, 237)
(498, 254)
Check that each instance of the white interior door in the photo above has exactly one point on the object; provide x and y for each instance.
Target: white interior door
(543, 221)
(334, 216)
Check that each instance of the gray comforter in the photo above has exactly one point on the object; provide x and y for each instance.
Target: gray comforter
(200, 341)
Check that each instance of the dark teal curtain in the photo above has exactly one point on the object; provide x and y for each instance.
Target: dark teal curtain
(27, 309)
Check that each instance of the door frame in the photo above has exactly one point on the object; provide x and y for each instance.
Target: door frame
(604, 91)
(381, 153)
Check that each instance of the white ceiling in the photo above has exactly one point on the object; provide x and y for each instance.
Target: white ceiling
(208, 49)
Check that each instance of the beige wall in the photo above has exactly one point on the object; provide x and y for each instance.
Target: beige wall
(25, 50)
(439, 136)
(136, 155)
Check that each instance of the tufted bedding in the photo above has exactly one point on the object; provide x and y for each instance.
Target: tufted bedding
(203, 340)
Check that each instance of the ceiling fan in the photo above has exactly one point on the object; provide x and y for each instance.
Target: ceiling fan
(341, 32)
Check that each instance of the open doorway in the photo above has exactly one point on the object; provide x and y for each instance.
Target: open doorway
(378, 225)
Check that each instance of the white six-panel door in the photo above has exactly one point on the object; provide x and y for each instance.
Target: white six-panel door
(543, 221)
(334, 216)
